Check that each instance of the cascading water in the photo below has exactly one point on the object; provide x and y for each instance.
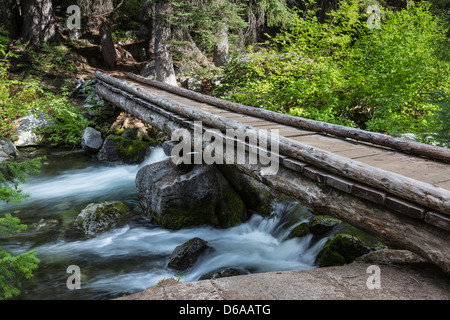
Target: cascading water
(134, 257)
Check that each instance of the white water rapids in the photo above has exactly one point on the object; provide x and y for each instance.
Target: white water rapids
(134, 257)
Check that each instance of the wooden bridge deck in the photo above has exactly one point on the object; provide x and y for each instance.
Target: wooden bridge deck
(374, 177)
(419, 168)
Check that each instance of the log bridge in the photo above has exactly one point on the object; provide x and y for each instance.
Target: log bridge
(394, 189)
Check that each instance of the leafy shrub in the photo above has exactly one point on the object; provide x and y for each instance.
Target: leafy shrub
(343, 72)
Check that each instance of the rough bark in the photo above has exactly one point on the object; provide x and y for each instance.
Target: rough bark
(108, 48)
(163, 56)
(38, 23)
(221, 50)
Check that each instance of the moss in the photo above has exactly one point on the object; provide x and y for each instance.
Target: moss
(224, 214)
(15, 138)
(341, 249)
(322, 224)
(299, 231)
(129, 150)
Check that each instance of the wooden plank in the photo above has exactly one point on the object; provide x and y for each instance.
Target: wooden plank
(416, 168)
(408, 146)
(368, 193)
(438, 220)
(405, 207)
(426, 194)
(329, 144)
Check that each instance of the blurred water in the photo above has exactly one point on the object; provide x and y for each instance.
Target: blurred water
(134, 257)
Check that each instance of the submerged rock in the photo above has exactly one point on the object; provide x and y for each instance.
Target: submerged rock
(223, 273)
(187, 254)
(175, 200)
(118, 148)
(99, 217)
(299, 231)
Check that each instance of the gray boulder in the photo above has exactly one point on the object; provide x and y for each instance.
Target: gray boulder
(176, 200)
(7, 150)
(92, 140)
(149, 70)
(99, 217)
(187, 254)
(25, 135)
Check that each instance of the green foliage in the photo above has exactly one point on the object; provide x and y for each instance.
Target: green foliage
(52, 60)
(442, 119)
(14, 268)
(340, 71)
(13, 173)
(68, 120)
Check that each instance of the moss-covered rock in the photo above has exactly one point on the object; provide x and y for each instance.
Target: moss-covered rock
(323, 224)
(118, 148)
(344, 248)
(299, 231)
(176, 200)
(256, 195)
(99, 217)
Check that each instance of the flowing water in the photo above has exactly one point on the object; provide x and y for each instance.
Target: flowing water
(134, 257)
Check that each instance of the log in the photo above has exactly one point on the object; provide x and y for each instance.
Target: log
(424, 239)
(425, 194)
(403, 145)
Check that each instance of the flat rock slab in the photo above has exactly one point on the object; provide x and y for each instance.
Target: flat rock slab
(349, 282)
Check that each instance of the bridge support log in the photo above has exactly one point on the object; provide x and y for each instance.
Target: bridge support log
(428, 241)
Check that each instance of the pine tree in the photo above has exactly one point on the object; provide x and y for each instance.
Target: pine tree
(14, 268)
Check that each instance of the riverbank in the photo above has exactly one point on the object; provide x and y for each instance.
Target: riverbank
(410, 281)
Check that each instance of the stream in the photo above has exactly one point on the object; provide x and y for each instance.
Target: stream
(134, 257)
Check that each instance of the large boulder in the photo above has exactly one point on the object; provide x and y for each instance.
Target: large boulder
(176, 200)
(256, 195)
(92, 140)
(25, 135)
(99, 217)
(8, 150)
(186, 255)
(118, 148)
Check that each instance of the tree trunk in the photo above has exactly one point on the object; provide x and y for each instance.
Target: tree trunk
(11, 17)
(163, 56)
(108, 49)
(221, 49)
(38, 23)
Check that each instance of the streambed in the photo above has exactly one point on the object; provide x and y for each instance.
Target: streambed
(134, 257)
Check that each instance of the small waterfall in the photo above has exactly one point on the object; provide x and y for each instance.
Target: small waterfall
(134, 257)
